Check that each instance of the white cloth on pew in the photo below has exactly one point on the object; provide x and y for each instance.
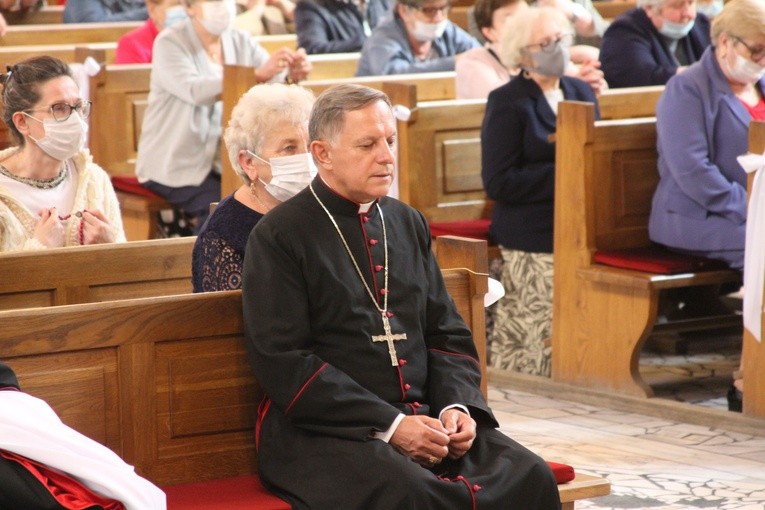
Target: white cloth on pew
(754, 255)
(30, 428)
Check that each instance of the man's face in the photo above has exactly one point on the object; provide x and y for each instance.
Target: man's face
(360, 163)
(432, 11)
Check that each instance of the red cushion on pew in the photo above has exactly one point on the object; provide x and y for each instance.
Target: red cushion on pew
(130, 184)
(563, 472)
(246, 492)
(238, 493)
(476, 229)
(656, 259)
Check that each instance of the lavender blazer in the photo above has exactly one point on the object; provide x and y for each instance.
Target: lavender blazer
(700, 202)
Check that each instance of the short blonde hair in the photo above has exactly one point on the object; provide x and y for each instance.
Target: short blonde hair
(740, 18)
(256, 114)
(518, 29)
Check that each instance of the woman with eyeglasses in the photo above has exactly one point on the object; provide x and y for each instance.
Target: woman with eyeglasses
(51, 192)
(702, 124)
(518, 170)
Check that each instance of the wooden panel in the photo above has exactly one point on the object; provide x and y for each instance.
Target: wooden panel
(80, 386)
(753, 356)
(136, 269)
(459, 155)
(67, 33)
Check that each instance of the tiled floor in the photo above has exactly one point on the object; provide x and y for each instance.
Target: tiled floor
(652, 463)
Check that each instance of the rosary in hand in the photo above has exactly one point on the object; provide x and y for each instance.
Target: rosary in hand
(80, 234)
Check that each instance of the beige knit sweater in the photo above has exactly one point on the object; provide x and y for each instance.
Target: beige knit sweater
(94, 191)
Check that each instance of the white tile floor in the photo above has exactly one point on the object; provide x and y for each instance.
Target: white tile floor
(652, 463)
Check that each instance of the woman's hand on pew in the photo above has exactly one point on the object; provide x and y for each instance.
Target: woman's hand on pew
(95, 228)
(278, 62)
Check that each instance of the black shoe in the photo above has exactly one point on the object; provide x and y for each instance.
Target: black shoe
(735, 400)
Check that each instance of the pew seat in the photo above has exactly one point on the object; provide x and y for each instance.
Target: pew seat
(247, 492)
(139, 207)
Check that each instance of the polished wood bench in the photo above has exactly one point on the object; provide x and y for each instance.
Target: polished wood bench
(602, 315)
(47, 14)
(165, 382)
(95, 273)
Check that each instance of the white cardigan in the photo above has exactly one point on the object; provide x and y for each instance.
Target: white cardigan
(94, 191)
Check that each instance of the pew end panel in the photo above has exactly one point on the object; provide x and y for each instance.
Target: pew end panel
(605, 178)
(236, 81)
(753, 354)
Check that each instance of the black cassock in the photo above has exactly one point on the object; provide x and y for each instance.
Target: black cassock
(309, 324)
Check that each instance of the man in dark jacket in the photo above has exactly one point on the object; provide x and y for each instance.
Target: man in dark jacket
(651, 43)
(337, 26)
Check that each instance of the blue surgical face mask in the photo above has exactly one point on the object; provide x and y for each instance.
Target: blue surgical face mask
(676, 30)
(710, 10)
(173, 15)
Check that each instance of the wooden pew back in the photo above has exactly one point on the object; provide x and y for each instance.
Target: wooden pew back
(47, 14)
(67, 33)
(165, 382)
(120, 95)
(95, 273)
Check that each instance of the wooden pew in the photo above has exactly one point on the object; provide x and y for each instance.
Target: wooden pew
(46, 14)
(333, 66)
(629, 102)
(95, 273)
(754, 351)
(611, 9)
(69, 53)
(67, 33)
(602, 315)
(165, 381)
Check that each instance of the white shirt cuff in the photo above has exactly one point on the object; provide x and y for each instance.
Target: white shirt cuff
(385, 436)
(453, 406)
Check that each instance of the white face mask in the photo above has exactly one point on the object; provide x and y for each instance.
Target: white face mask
(429, 31)
(289, 174)
(744, 70)
(62, 140)
(676, 31)
(217, 16)
(173, 15)
(711, 9)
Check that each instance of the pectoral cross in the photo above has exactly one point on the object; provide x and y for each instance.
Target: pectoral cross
(390, 338)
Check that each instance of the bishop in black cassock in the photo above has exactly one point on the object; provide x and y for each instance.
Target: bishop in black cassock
(332, 389)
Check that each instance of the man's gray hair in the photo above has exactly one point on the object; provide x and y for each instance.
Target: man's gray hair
(328, 114)
(257, 114)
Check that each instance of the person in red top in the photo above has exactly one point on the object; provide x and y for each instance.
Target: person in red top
(135, 46)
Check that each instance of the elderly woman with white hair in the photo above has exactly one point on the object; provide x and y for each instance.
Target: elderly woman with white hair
(267, 142)
(518, 170)
(700, 206)
(651, 43)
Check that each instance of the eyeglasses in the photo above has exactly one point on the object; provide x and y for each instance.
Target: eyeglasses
(431, 12)
(62, 111)
(755, 54)
(549, 46)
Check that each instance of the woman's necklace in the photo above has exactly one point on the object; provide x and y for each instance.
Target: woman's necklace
(257, 198)
(38, 183)
(387, 336)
